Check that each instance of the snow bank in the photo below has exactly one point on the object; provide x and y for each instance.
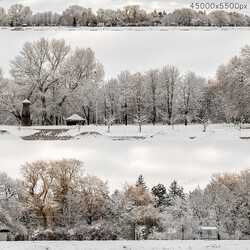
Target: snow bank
(83, 135)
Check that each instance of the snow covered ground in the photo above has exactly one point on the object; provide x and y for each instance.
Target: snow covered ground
(159, 153)
(177, 132)
(220, 132)
(155, 28)
(129, 245)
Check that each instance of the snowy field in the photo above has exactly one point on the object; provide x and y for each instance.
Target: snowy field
(214, 132)
(159, 153)
(129, 245)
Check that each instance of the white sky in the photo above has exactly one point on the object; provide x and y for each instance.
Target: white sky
(199, 51)
(119, 162)
(60, 5)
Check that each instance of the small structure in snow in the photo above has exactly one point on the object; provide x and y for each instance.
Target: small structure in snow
(75, 120)
(208, 233)
(25, 119)
(4, 234)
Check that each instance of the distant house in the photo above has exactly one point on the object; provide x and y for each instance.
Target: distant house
(75, 120)
(4, 234)
(208, 233)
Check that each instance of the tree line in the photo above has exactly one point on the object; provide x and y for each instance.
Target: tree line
(60, 81)
(54, 200)
(131, 15)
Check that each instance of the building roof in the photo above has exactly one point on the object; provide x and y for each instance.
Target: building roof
(75, 117)
(4, 230)
(209, 228)
(26, 101)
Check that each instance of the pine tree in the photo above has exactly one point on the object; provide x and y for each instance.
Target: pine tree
(161, 196)
(175, 190)
(141, 182)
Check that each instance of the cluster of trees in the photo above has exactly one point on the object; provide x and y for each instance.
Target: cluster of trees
(131, 15)
(59, 82)
(233, 80)
(52, 77)
(55, 200)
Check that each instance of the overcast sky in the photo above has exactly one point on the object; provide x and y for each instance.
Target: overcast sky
(199, 51)
(60, 5)
(120, 162)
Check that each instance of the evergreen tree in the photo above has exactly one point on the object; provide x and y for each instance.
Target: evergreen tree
(161, 196)
(175, 190)
(141, 182)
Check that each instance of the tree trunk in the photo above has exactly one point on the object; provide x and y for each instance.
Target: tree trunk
(186, 121)
(182, 232)
(126, 114)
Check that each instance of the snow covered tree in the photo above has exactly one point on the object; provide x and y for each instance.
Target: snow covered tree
(237, 19)
(50, 191)
(145, 215)
(230, 204)
(219, 18)
(175, 190)
(200, 19)
(67, 174)
(140, 182)
(45, 19)
(169, 79)
(3, 17)
(199, 204)
(56, 80)
(152, 84)
(233, 80)
(161, 197)
(109, 17)
(180, 218)
(83, 75)
(11, 207)
(10, 101)
(131, 13)
(124, 86)
(122, 215)
(19, 15)
(138, 98)
(190, 94)
(38, 181)
(111, 99)
(94, 192)
(74, 16)
(182, 17)
(37, 70)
